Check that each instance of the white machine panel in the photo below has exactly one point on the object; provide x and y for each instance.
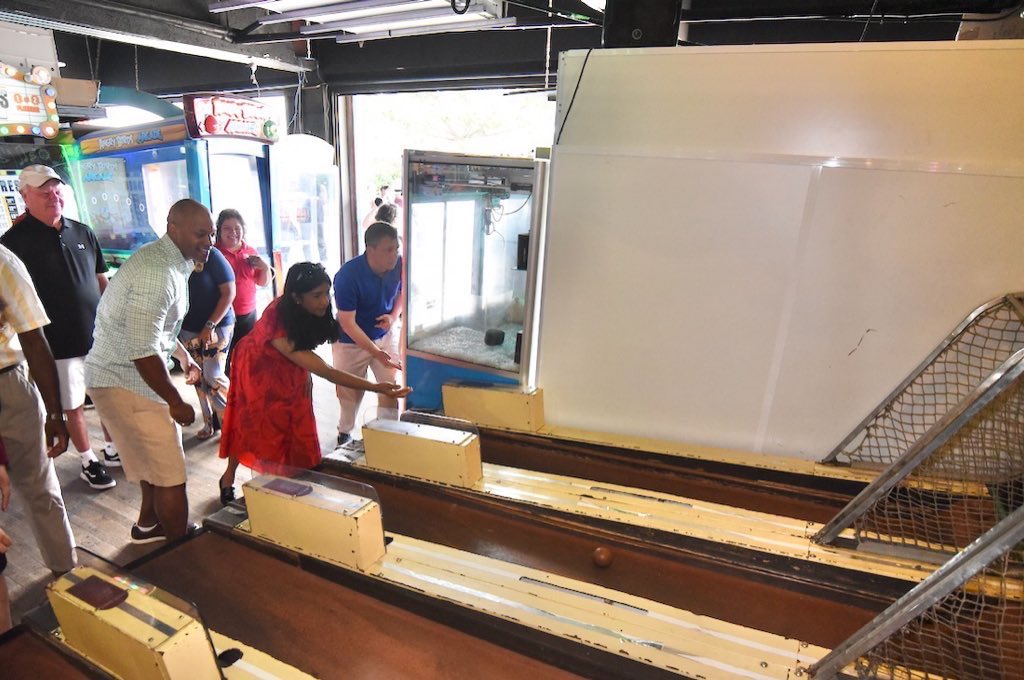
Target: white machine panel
(749, 247)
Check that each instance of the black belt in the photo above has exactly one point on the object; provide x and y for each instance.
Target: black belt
(8, 369)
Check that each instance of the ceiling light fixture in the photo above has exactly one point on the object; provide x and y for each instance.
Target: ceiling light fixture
(228, 5)
(457, 27)
(382, 22)
(113, 35)
(339, 10)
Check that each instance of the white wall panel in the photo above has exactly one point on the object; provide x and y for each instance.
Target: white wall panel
(639, 290)
(749, 247)
(894, 261)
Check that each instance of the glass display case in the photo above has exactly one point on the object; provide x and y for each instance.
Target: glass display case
(468, 227)
(305, 185)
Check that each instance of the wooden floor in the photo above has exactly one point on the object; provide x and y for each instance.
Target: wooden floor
(101, 520)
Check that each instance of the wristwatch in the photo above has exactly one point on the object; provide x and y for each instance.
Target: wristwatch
(211, 325)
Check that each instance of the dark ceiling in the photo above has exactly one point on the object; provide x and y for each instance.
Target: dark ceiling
(521, 57)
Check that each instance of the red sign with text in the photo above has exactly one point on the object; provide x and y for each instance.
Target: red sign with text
(228, 116)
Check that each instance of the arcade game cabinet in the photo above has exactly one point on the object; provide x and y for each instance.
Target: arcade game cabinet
(29, 134)
(217, 153)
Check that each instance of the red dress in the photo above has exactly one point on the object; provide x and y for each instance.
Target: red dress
(268, 421)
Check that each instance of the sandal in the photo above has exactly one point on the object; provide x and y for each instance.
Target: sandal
(227, 494)
(208, 431)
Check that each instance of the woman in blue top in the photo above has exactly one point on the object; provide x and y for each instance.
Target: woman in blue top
(206, 332)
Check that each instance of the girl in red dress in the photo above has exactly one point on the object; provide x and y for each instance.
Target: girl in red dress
(268, 421)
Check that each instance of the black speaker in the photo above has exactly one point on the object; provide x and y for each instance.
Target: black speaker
(641, 23)
(523, 252)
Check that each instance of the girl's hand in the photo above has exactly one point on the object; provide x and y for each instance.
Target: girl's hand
(5, 542)
(392, 390)
(193, 373)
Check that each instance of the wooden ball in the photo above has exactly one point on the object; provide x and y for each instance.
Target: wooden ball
(602, 556)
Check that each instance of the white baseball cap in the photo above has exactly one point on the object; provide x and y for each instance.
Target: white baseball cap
(37, 176)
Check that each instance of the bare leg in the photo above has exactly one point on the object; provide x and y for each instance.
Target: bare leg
(228, 478)
(204, 406)
(5, 606)
(171, 505)
(147, 511)
(78, 429)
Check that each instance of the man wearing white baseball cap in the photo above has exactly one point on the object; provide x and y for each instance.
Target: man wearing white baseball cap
(67, 268)
(37, 176)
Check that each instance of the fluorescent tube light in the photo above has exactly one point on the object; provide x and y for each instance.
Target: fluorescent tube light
(382, 22)
(150, 41)
(457, 27)
(338, 10)
(228, 5)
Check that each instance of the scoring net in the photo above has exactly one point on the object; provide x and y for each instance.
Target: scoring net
(967, 356)
(964, 622)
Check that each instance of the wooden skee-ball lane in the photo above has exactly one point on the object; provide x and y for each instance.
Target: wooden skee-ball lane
(802, 490)
(25, 653)
(312, 585)
(424, 470)
(579, 626)
(513, 432)
(759, 590)
(262, 596)
(294, 616)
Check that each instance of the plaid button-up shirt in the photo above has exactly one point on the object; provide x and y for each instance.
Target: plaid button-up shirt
(20, 308)
(139, 316)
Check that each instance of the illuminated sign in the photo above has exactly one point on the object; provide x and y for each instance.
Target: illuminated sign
(11, 203)
(132, 139)
(28, 103)
(221, 116)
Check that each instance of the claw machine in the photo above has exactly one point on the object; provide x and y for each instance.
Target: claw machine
(216, 153)
(473, 234)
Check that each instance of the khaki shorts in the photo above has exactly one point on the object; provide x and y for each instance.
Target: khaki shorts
(72, 382)
(147, 438)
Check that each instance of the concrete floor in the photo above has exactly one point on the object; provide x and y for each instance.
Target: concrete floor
(101, 520)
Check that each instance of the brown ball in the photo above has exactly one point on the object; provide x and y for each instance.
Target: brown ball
(602, 556)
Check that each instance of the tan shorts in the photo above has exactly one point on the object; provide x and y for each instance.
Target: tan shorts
(147, 438)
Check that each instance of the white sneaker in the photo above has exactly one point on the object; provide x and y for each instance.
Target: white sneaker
(111, 459)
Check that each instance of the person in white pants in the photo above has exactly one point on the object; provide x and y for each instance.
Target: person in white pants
(368, 297)
(33, 428)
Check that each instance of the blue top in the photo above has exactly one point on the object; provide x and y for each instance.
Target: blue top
(204, 293)
(357, 288)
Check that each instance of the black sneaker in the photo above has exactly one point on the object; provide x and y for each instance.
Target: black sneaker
(157, 533)
(111, 459)
(344, 438)
(95, 476)
(151, 535)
